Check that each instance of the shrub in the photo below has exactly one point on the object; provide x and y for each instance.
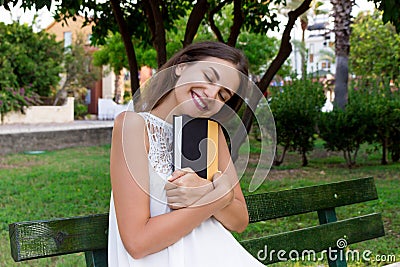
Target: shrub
(28, 60)
(372, 115)
(383, 106)
(296, 108)
(345, 130)
(80, 110)
(16, 99)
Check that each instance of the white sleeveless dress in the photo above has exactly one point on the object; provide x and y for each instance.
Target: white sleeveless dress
(208, 245)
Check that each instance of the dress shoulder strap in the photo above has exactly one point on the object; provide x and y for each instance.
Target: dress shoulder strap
(160, 141)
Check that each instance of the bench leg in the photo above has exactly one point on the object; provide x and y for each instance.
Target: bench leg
(96, 258)
(328, 216)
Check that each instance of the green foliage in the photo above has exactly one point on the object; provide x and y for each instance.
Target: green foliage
(296, 108)
(258, 48)
(112, 53)
(345, 130)
(16, 99)
(375, 48)
(80, 110)
(78, 68)
(390, 10)
(383, 106)
(29, 65)
(372, 115)
(29, 59)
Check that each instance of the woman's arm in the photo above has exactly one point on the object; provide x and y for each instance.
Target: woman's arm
(130, 184)
(234, 216)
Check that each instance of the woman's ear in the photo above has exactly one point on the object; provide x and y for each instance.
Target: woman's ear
(179, 69)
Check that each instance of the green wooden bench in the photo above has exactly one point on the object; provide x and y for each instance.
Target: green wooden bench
(46, 238)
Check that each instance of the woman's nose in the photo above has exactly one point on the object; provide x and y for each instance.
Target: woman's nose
(212, 91)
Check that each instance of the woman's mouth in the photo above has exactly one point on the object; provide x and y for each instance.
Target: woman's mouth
(198, 101)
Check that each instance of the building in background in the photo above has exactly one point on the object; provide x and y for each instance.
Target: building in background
(319, 44)
(67, 33)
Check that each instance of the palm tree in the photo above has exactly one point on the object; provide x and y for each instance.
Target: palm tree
(342, 16)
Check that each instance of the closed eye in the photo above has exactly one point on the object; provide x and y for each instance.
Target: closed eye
(208, 77)
(225, 94)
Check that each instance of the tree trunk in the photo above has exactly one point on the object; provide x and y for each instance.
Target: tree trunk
(304, 25)
(385, 142)
(127, 39)
(341, 81)
(159, 41)
(342, 16)
(195, 18)
(119, 87)
(304, 159)
(213, 27)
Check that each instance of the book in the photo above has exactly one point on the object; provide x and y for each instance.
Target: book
(195, 145)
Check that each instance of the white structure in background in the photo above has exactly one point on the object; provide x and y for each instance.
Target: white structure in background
(318, 37)
(108, 109)
(43, 114)
(108, 82)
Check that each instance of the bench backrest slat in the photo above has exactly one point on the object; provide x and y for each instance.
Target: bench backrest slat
(284, 203)
(36, 239)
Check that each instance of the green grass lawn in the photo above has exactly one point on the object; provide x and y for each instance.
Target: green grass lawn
(74, 182)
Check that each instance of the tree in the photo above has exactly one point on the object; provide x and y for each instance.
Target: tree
(390, 11)
(366, 61)
(29, 66)
(32, 59)
(78, 71)
(378, 76)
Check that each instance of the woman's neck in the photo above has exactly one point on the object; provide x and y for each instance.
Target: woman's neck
(164, 109)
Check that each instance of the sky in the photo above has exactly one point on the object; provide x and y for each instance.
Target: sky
(45, 16)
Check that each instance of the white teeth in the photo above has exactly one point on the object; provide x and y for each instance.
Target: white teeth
(198, 100)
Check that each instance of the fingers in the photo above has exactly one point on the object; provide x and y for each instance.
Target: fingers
(173, 192)
(179, 173)
(169, 186)
(217, 175)
(176, 206)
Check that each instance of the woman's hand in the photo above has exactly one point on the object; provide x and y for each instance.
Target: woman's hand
(185, 187)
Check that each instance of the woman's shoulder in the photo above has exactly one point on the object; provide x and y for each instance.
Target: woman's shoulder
(129, 119)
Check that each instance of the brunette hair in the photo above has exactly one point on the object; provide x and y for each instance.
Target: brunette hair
(163, 82)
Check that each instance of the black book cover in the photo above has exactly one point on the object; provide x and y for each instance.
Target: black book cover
(196, 145)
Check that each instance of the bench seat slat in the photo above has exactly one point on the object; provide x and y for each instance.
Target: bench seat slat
(323, 236)
(36, 239)
(284, 203)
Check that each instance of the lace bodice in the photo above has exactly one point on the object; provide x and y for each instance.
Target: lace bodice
(160, 135)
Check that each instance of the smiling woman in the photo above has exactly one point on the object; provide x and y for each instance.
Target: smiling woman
(201, 81)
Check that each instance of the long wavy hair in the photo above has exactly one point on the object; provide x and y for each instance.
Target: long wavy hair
(160, 85)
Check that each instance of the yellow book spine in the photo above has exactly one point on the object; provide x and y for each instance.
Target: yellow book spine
(212, 149)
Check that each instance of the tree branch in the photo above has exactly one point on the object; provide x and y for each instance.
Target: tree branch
(284, 52)
(195, 18)
(127, 39)
(150, 18)
(238, 19)
(285, 48)
(214, 28)
(159, 42)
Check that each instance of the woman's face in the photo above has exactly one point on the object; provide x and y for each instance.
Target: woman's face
(203, 87)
